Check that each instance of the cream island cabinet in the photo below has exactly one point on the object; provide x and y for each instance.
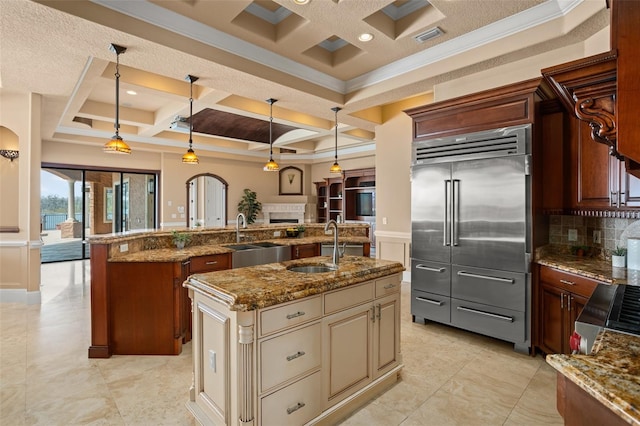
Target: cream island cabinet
(277, 347)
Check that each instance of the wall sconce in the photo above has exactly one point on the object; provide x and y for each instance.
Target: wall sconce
(10, 154)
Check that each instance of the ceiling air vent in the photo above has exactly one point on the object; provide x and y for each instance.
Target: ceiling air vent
(428, 35)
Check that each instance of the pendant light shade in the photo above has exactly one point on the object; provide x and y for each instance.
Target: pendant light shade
(271, 165)
(190, 156)
(116, 145)
(336, 167)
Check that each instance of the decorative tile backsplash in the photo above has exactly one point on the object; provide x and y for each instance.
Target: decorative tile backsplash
(613, 231)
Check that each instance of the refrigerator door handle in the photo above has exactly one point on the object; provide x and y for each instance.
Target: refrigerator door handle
(427, 268)
(486, 277)
(446, 239)
(455, 211)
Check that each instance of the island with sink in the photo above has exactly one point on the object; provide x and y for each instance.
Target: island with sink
(138, 303)
(303, 341)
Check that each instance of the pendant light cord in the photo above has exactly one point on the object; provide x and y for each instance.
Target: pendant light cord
(336, 144)
(117, 123)
(271, 101)
(190, 110)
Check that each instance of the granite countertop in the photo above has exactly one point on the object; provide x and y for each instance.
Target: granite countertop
(175, 255)
(611, 373)
(254, 287)
(141, 233)
(590, 267)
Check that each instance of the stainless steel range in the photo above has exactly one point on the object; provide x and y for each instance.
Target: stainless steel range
(612, 307)
(471, 233)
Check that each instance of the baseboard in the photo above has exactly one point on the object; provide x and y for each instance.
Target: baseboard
(20, 295)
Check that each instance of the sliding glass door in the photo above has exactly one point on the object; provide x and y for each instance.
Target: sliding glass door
(78, 203)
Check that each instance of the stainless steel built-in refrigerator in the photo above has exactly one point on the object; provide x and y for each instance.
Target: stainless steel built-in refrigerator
(470, 230)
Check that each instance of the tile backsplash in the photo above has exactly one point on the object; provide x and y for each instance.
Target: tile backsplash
(613, 231)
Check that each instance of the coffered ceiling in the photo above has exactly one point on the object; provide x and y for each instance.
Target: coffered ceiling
(307, 56)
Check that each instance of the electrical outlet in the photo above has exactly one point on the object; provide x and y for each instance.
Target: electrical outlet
(328, 232)
(572, 235)
(597, 237)
(124, 247)
(276, 233)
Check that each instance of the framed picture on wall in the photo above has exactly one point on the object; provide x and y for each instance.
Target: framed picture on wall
(290, 181)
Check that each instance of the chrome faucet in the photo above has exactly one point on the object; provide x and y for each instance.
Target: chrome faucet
(336, 251)
(244, 225)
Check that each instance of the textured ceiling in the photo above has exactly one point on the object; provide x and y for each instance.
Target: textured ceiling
(244, 52)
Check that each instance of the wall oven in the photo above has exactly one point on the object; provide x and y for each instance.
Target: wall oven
(612, 307)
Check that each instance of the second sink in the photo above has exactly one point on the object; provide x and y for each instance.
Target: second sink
(258, 254)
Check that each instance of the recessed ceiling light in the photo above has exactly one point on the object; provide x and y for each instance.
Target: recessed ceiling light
(301, 1)
(131, 92)
(365, 37)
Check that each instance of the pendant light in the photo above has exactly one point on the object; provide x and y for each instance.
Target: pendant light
(190, 157)
(271, 166)
(336, 167)
(116, 145)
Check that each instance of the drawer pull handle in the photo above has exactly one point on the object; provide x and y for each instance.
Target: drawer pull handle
(486, 277)
(214, 262)
(427, 268)
(297, 314)
(298, 406)
(296, 355)
(567, 282)
(487, 314)
(433, 302)
(388, 286)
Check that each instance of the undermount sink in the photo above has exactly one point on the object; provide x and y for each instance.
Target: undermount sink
(312, 269)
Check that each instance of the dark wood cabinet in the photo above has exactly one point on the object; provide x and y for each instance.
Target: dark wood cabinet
(359, 194)
(561, 297)
(142, 308)
(339, 196)
(147, 308)
(322, 202)
(330, 199)
(301, 251)
(578, 407)
(599, 180)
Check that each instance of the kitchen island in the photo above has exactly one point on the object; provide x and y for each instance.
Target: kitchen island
(602, 387)
(138, 303)
(273, 346)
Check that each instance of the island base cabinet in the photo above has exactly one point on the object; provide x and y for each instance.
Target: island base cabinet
(339, 350)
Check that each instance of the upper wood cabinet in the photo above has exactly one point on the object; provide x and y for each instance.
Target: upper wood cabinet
(599, 180)
(505, 106)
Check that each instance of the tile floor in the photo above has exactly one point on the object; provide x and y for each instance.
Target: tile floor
(451, 377)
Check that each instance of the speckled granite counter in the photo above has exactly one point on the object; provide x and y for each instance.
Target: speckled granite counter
(590, 267)
(255, 287)
(611, 373)
(175, 255)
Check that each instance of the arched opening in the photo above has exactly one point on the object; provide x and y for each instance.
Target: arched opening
(206, 201)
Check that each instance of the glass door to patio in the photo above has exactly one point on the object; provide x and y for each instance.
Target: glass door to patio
(78, 203)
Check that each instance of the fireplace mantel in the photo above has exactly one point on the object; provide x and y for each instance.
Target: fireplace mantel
(291, 211)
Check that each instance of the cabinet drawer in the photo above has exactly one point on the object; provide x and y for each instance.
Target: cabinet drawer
(490, 287)
(387, 285)
(294, 405)
(213, 262)
(434, 307)
(348, 297)
(431, 277)
(570, 282)
(283, 316)
(284, 357)
(500, 323)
